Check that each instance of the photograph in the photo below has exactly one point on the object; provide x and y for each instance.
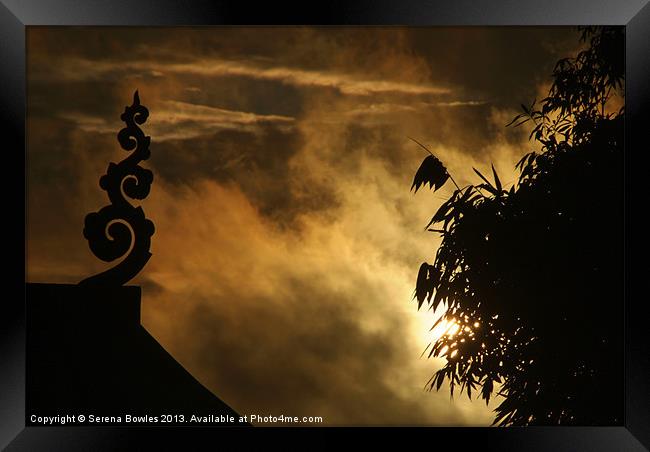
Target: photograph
(247, 220)
(345, 226)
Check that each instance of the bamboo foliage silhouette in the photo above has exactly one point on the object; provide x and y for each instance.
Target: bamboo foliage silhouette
(524, 273)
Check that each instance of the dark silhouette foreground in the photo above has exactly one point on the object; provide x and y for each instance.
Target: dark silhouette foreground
(533, 274)
(88, 354)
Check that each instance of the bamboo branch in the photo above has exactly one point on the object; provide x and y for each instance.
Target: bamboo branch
(425, 148)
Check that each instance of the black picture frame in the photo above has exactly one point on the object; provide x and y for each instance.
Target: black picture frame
(16, 15)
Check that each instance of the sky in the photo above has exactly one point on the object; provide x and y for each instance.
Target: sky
(287, 241)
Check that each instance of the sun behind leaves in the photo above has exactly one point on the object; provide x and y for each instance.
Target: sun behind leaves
(531, 275)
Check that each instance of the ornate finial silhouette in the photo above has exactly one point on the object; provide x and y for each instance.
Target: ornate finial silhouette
(121, 228)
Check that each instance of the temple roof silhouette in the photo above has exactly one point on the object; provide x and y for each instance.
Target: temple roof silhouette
(87, 352)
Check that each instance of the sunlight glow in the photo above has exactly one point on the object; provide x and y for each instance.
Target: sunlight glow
(444, 328)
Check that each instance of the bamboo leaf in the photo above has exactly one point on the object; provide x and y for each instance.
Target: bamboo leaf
(496, 180)
(482, 177)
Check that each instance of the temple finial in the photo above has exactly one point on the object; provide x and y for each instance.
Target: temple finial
(120, 227)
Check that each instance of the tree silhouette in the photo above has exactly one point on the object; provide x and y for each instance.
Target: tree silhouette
(532, 275)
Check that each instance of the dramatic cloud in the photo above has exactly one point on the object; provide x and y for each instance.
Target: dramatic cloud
(287, 241)
(78, 70)
(182, 120)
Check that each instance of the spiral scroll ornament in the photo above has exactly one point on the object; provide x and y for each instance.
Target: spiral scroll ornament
(121, 229)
